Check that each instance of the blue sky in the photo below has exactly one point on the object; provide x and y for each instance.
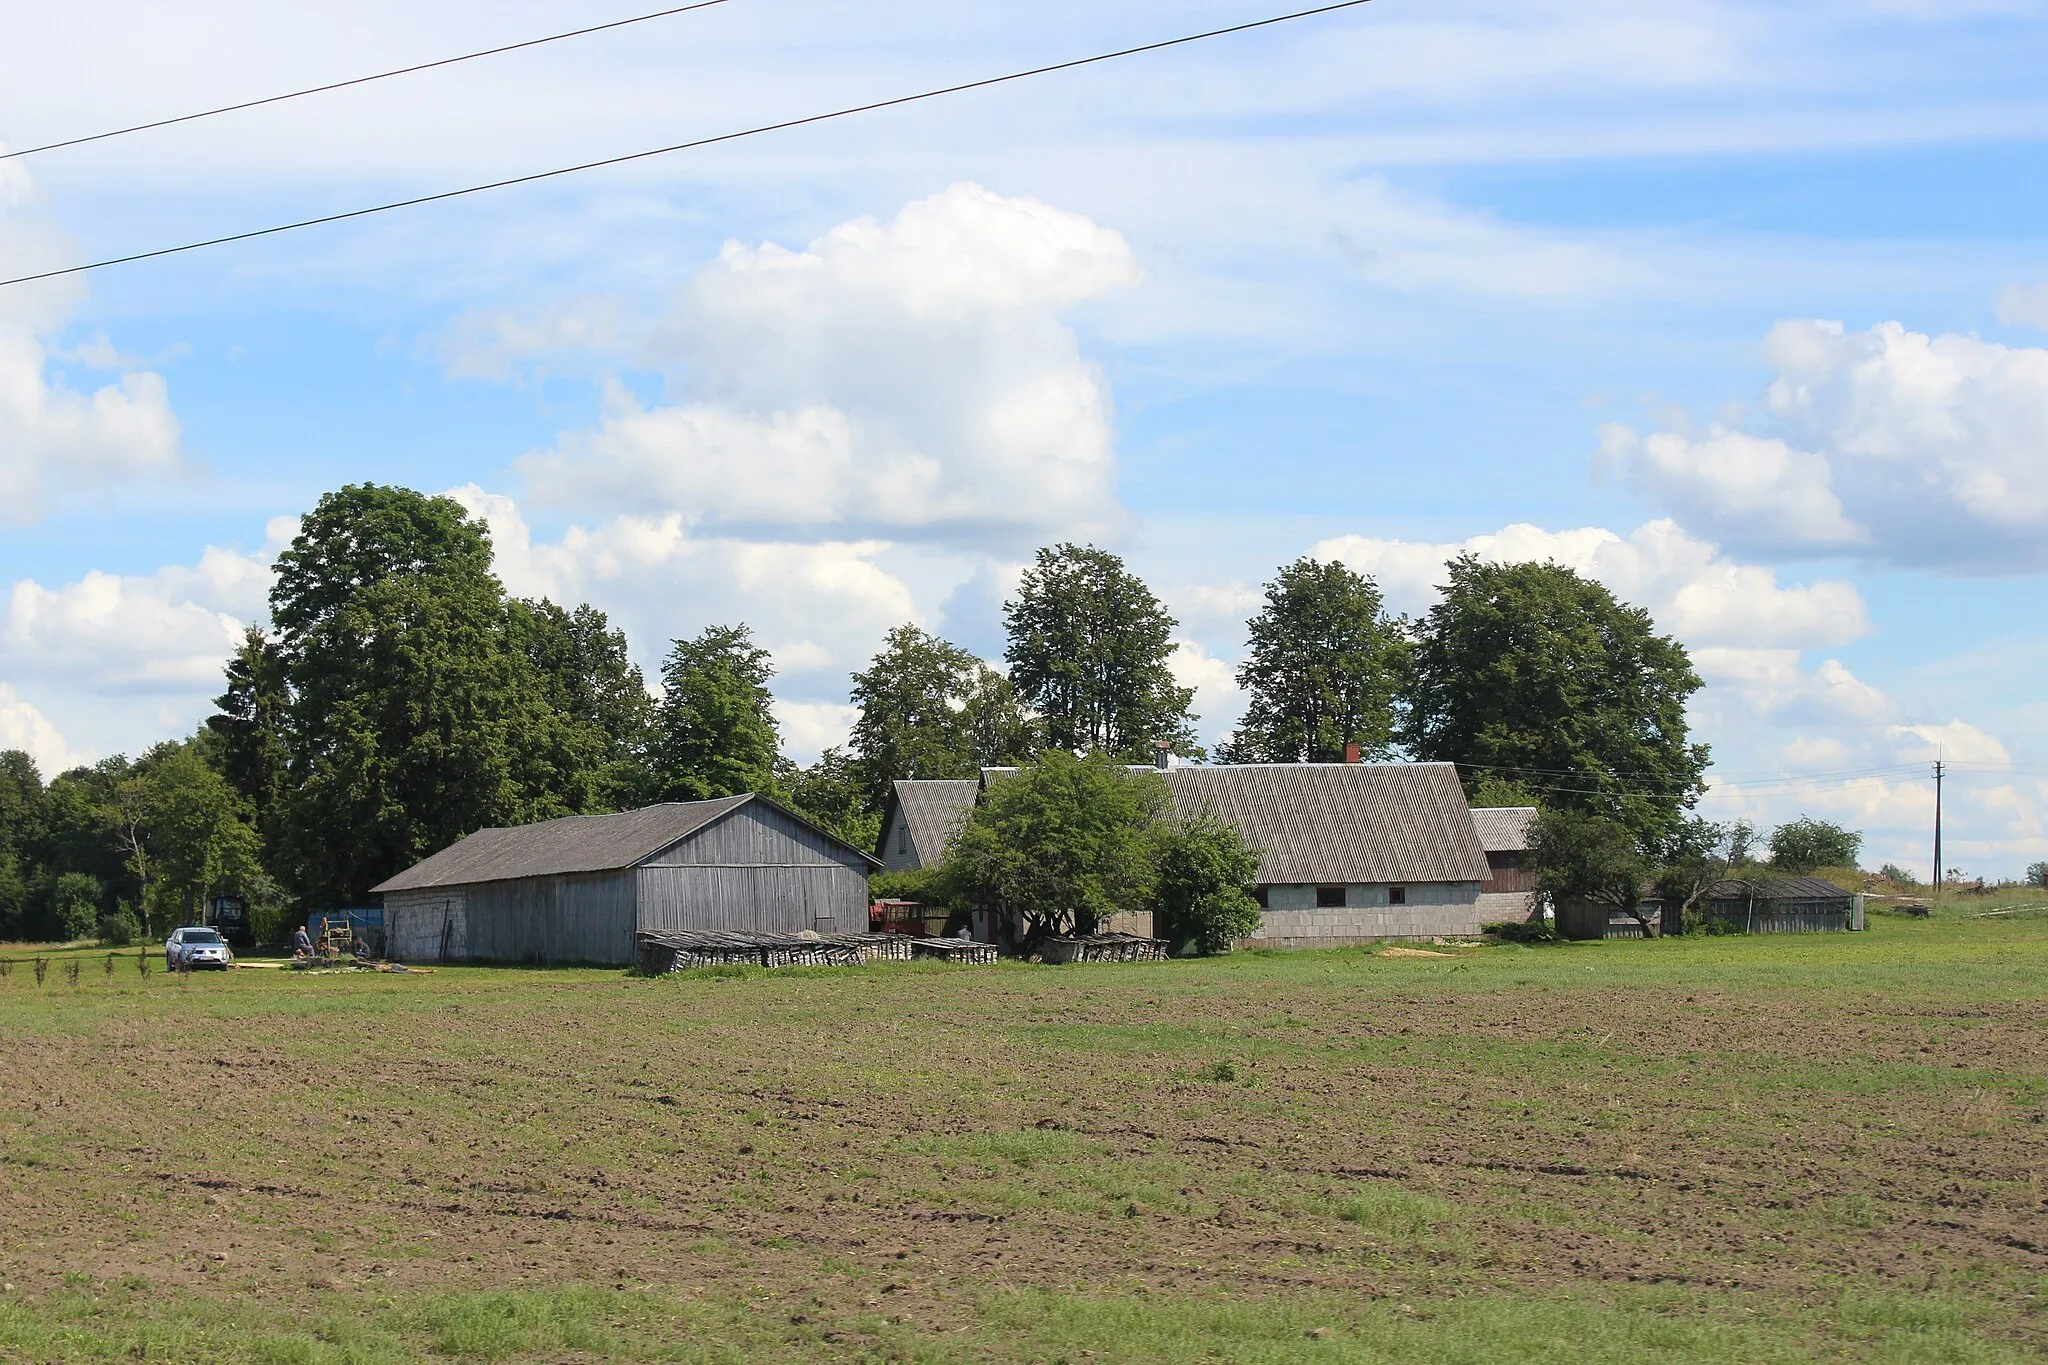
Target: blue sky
(1742, 308)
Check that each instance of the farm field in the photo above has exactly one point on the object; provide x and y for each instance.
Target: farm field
(1718, 1149)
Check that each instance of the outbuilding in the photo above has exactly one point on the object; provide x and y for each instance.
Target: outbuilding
(920, 816)
(581, 888)
(1507, 833)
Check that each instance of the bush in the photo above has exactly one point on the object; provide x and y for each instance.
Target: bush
(2037, 874)
(76, 899)
(1521, 931)
(119, 930)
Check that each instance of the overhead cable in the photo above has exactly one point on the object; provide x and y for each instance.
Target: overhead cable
(757, 131)
(356, 80)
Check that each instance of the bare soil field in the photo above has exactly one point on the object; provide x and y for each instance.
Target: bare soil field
(1827, 1147)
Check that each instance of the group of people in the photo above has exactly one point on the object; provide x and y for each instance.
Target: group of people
(303, 946)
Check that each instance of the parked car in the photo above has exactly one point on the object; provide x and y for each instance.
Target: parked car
(192, 949)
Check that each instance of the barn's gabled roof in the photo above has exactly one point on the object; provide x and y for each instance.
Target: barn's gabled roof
(575, 844)
(932, 809)
(1504, 829)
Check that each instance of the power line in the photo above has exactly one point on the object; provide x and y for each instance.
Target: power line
(691, 145)
(358, 80)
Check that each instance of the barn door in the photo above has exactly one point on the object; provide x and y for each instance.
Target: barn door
(817, 901)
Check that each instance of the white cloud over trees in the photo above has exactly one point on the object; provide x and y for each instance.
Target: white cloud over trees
(1891, 445)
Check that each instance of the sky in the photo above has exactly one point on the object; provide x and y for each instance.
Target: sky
(1739, 308)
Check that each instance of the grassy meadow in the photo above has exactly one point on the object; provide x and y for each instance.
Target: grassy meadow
(1717, 1149)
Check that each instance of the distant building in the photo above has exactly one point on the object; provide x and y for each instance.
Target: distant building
(1508, 894)
(1349, 852)
(918, 819)
(580, 888)
(1749, 905)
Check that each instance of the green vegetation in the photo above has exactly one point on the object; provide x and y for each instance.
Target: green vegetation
(1204, 875)
(1323, 668)
(1806, 845)
(1089, 645)
(1534, 674)
(1734, 1149)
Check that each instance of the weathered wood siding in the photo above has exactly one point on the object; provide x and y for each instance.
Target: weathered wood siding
(758, 836)
(424, 927)
(759, 871)
(781, 900)
(898, 853)
(584, 918)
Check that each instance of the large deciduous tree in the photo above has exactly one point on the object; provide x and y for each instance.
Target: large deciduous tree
(1581, 856)
(1323, 669)
(409, 707)
(1088, 650)
(1534, 673)
(1062, 843)
(585, 678)
(930, 709)
(714, 734)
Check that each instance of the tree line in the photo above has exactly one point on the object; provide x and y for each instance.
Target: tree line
(400, 698)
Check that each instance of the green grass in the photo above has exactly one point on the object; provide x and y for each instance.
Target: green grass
(1727, 1149)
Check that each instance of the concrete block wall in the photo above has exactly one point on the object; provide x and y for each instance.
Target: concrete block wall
(1434, 909)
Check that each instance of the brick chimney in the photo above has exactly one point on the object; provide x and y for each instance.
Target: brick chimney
(1162, 754)
(1351, 752)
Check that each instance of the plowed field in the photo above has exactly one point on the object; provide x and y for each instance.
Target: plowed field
(1720, 1149)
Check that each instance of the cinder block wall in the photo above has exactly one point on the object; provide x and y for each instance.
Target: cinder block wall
(1433, 910)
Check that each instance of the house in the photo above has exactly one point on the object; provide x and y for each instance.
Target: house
(1508, 895)
(1349, 852)
(580, 889)
(919, 817)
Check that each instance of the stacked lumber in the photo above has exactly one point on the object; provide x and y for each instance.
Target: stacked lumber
(1104, 948)
(964, 950)
(682, 951)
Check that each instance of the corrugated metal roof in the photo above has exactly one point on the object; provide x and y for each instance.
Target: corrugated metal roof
(932, 809)
(1504, 829)
(1333, 823)
(572, 844)
(1775, 889)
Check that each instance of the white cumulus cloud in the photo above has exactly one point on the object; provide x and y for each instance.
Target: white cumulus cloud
(1908, 448)
(25, 728)
(909, 377)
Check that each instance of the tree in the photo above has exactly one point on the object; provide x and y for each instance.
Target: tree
(1205, 873)
(586, 678)
(830, 793)
(1323, 668)
(930, 709)
(408, 709)
(2037, 874)
(24, 826)
(76, 898)
(1580, 856)
(250, 728)
(195, 825)
(1088, 650)
(714, 734)
(1494, 792)
(1531, 672)
(1694, 858)
(1063, 843)
(1806, 844)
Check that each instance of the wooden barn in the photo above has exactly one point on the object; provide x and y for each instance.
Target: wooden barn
(580, 888)
(1748, 905)
(1508, 895)
(921, 815)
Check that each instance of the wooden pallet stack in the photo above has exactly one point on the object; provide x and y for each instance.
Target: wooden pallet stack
(682, 951)
(1104, 948)
(962, 950)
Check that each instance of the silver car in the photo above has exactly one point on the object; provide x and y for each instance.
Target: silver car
(192, 949)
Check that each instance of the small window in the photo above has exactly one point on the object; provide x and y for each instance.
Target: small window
(1259, 895)
(1397, 895)
(1329, 898)
(903, 838)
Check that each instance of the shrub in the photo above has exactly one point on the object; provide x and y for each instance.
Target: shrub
(1521, 931)
(2037, 874)
(119, 930)
(76, 899)
(1205, 872)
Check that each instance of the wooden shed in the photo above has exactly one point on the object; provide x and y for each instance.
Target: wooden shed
(580, 889)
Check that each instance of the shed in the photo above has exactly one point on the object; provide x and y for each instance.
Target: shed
(1783, 905)
(919, 817)
(579, 889)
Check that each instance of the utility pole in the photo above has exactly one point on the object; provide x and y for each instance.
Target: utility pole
(1937, 829)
